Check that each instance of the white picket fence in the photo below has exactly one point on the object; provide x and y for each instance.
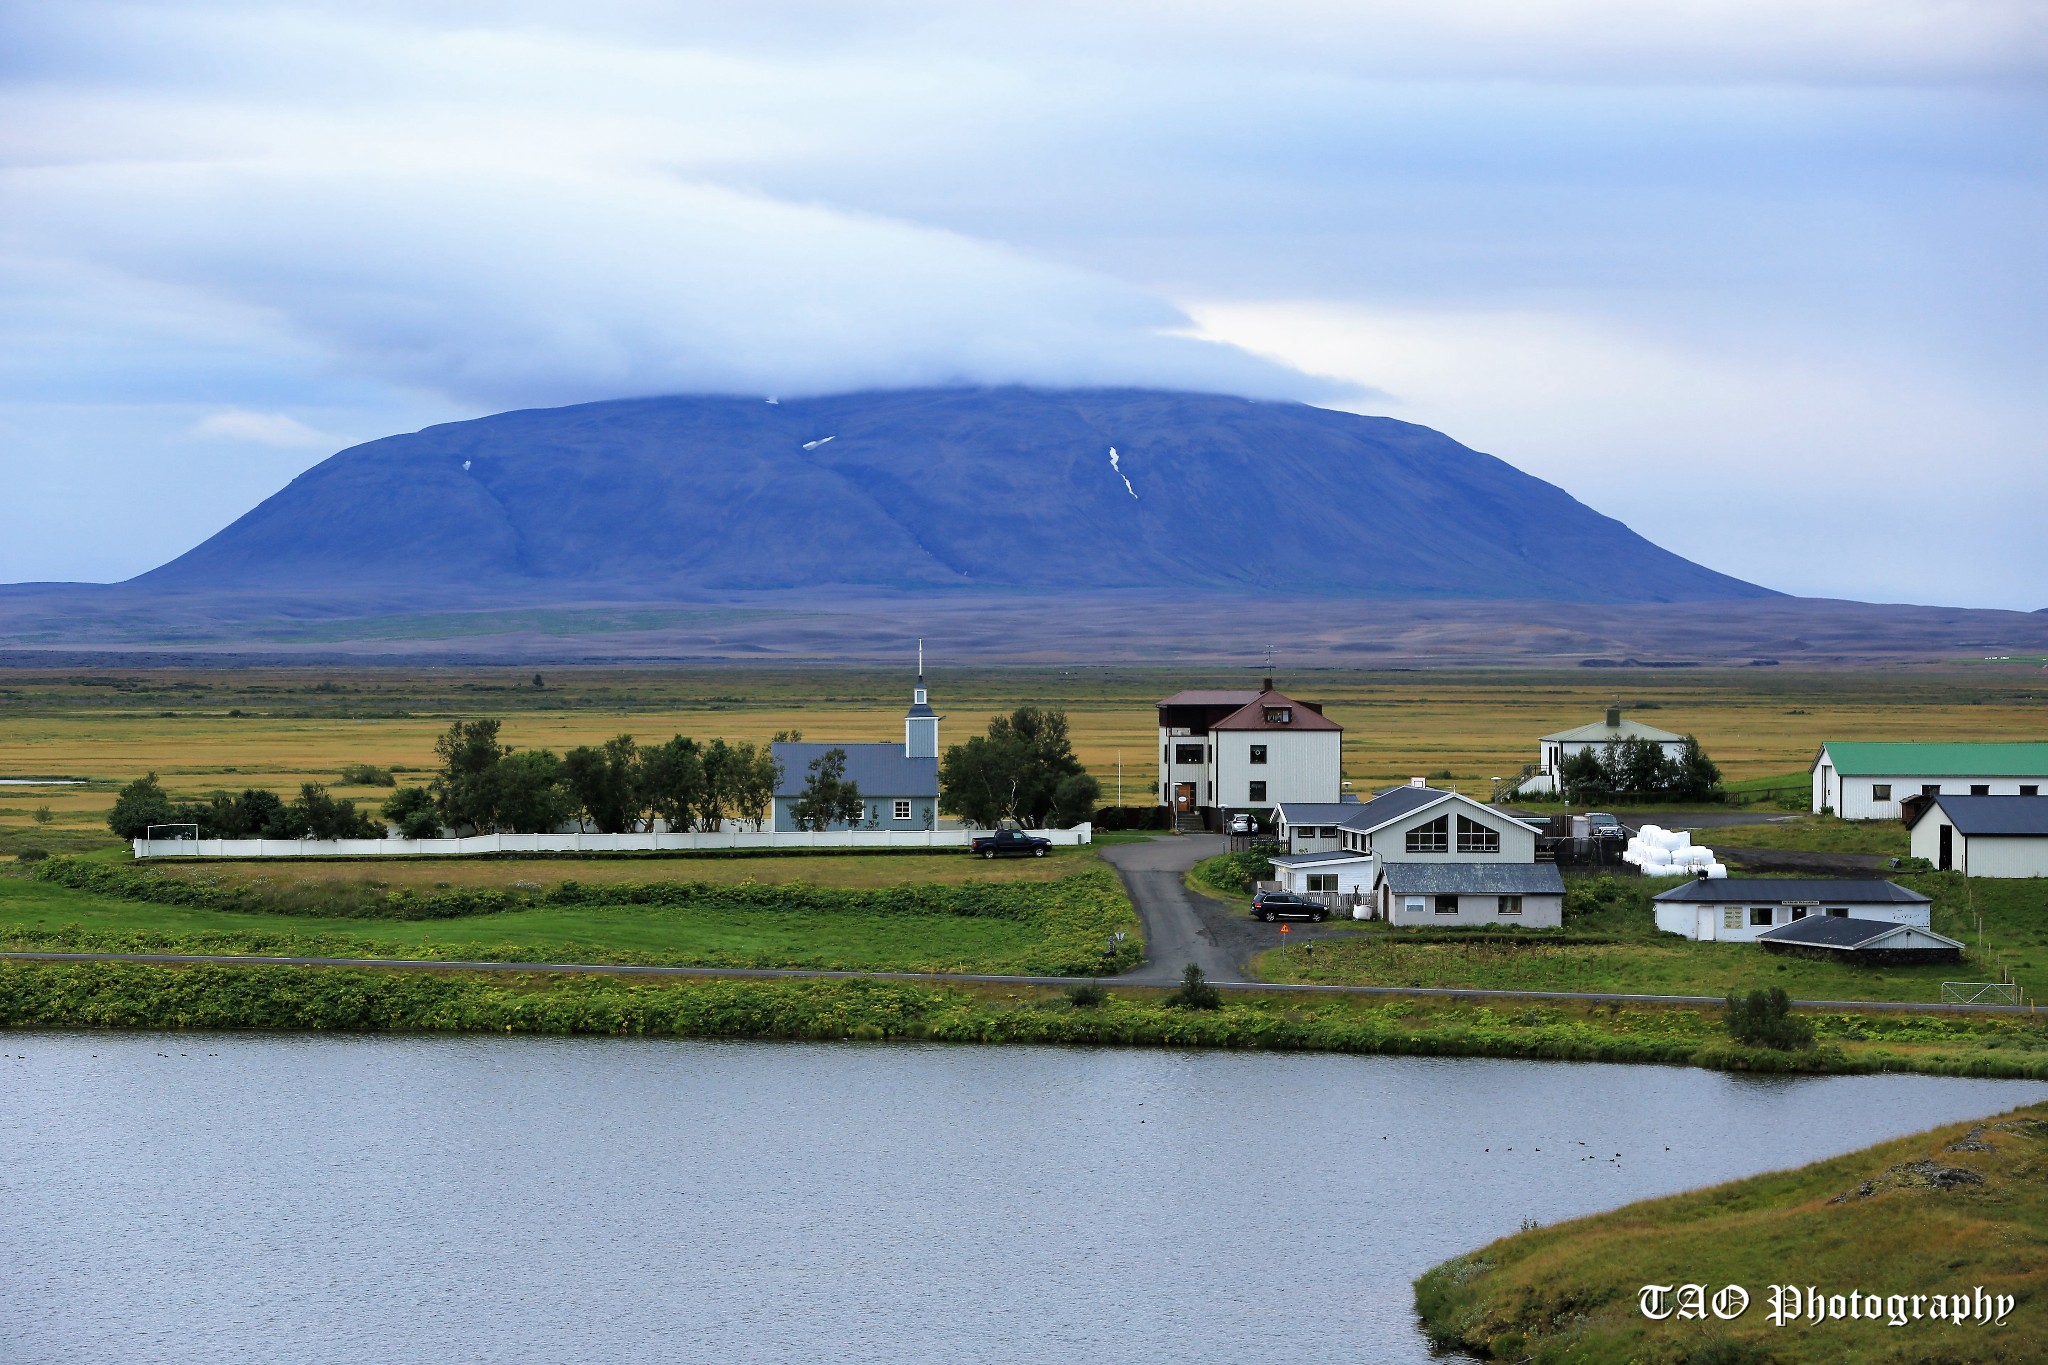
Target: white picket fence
(581, 843)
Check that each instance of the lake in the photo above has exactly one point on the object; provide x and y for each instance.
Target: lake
(264, 1198)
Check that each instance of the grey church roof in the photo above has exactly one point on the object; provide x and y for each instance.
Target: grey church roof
(879, 770)
(1473, 879)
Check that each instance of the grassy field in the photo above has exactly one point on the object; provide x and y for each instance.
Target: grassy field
(1636, 957)
(1815, 834)
(1942, 1212)
(205, 730)
(1015, 925)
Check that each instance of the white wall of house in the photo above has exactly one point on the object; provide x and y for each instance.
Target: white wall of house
(1983, 855)
(1877, 798)
(1311, 838)
(1391, 844)
(1353, 876)
(1174, 770)
(1304, 765)
(1742, 923)
(1536, 912)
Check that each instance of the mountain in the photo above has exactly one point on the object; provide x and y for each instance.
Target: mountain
(989, 490)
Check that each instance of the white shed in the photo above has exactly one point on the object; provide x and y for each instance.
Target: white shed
(1743, 909)
(1984, 836)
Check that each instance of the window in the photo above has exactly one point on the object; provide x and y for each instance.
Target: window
(1188, 753)
(1434, 837)
(1415, 905)
(1798, 912)
(902, 810)
(1279, 715)
(1838, 912)
(1474, 837)
(1258, 753)
(2030, 791)
(1930, 789)
(1258, 791)
(1760, 917)
(1880, 791)
(1980, 789)
(1322, 881)
(1511, 905)
(1731, 918)
(1329, 831)
(1447, 905)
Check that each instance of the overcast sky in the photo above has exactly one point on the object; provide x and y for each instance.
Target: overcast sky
(1764, 280)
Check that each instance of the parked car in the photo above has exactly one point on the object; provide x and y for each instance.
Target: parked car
(1010, 843)
(1244, 824)
(1272, 905)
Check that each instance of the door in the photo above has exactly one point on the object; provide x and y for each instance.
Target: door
(1948, 848)
(1709, 919)
(1183, 798)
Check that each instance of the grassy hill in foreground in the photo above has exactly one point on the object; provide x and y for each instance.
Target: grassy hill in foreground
(1943, 1212)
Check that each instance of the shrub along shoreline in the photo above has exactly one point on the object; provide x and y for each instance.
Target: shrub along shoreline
(205, 996)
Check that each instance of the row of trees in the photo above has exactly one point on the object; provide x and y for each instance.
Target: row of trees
(1638, 769)
(255, 814)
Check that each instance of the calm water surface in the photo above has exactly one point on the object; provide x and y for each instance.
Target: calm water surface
(228, 1198)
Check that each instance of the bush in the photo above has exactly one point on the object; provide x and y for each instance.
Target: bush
(367, 775)
(1240, 871)
(1195, 992)
(1087, 996)
(1765, 1019)
(31, 855)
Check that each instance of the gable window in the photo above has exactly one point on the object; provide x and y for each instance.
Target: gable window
(1434, 837)
(1731, 918)
(1258, 791)
(1980, 789)
(1258, 753)
(1474, 837)
(1279, 715)
(1880, 791)
(1760, 916)
(1447, 905)
(1511, 905)
(1188, 753)
(902, 810)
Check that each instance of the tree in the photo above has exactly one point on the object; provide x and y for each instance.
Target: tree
(827, 799)
(42, 815)
(753, 776)
(141, 803)
(465, 789)
(672, 781)
(1698, 778)
(605, 783)
(412, 810)
(1765, 1019)
(1022, 770)
(528, 795)
(320, 816)
(720, 761)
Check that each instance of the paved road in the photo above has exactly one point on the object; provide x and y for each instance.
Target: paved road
(420, 964)
(1180, 926)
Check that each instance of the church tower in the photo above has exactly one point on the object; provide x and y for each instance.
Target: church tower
(920, 722)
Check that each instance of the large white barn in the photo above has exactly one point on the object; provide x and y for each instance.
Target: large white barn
(1222, 751)
(1860, 780)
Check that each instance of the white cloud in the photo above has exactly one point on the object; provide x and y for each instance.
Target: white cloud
(260, 428)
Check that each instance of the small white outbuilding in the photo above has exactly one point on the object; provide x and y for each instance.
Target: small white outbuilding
(1743, 909)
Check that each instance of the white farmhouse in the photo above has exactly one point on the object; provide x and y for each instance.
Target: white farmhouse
(1869, 781)
(1223, 751)
(1741, 910)
(1476, 853)
(1553, 750)
(1983, 836)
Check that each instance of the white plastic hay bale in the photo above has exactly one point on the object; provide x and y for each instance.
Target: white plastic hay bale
(1716, 872)
(1361, 911)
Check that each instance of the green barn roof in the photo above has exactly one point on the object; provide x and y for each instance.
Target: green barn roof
(1873, 759)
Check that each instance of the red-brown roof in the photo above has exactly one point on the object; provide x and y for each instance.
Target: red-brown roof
(1252, 716)
(1199, 697)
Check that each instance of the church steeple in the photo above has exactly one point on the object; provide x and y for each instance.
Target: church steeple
(920, 722)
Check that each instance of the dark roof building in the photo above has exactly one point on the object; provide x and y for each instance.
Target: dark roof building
(1790, 891)
(1994, 816)
(1473, 879)
(1873, 942)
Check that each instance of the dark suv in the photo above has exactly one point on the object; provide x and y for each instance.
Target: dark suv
(1272, 905)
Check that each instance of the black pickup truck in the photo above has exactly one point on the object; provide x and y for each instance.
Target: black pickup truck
(1010, 842)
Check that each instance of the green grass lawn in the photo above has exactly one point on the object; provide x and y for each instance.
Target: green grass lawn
(1814, 834)
(1873, 1221)
(1635, 957)
(1077, 916)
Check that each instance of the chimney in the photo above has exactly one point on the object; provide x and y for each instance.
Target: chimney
(1614, 717)
(1268, 687)
(1417, 782)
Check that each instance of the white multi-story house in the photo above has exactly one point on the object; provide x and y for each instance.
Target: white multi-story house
(1553, 750)
(1418, 855)
(1872, 781)
(1223, 751)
